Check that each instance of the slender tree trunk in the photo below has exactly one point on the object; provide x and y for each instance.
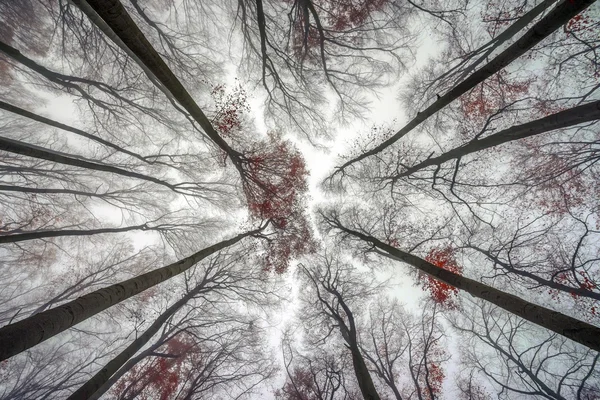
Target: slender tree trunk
(578, 331)
(10, 188)
(563, 119)
(556, 18)
(47, 121)
(22, 335)
(26, 149)
(101, 377)
(508, 33)
(117, 18)
(19, 237)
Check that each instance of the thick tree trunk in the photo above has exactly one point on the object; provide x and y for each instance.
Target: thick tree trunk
(117, 18)
(563, 119)
(55, 124)
(22, 335)
(101, 377)
(99, 22)
(365, 382)
(26, 149)
(578, 331)
(556, 18)
(19, 237)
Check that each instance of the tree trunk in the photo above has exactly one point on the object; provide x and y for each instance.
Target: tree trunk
(556, 18)
(19, 237)
(578, 331)
(117, 18)
(101, 377)
(24, 113)
(18, 147)
(564, 119)
(22, 335)
(365, 382)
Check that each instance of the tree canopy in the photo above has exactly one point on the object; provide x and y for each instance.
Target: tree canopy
(300, 199)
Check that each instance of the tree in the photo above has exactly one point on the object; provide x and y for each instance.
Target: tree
(334, 287)
(569, 327)
(561, 14)
(406, 351)
(26, 333)
(519, 357)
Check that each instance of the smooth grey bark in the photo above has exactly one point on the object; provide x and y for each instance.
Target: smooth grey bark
(30, 150)
(563, 119)
(22, 335)
(101, 377)
(42, 234)
(24, 113)
(24, 189)
(578, 331)
(559, 16)
(99, 22)
(119, 21)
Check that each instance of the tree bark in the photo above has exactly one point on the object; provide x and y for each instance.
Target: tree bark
(101, 377)
(578, 331)
(24, 113)
(117, 18)
(563, 119)
(30, 150)
(19, 237)
(22, 335)
(559, 16)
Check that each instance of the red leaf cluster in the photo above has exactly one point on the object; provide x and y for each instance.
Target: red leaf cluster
(441, 292)
(231, 106)
(580, 279)
(159, 378)
(275, 186)
(579, 23)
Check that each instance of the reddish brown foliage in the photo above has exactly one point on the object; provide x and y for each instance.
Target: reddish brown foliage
(441, 292)
(231, 106)
(579, 23)
(160, 377)
(275, 186)
(582, 280)
(490, 96)
(436, 379)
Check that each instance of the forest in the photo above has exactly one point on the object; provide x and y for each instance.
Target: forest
(300, 199)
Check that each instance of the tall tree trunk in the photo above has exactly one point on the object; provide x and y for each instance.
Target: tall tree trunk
(99, 22)
(101, 377)
(365, 382)
(26, 149)
(563, 119)
(19, 237)
(22, 335)
(559, 16)
(24, 113)
(117, 18)
(24, 189)
(578, 331)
